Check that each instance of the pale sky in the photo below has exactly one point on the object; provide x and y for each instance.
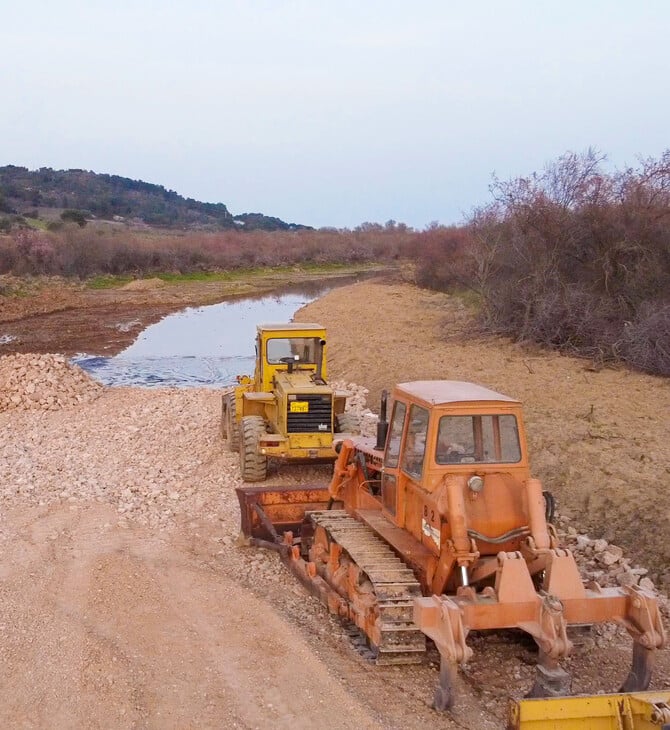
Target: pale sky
(331, 113)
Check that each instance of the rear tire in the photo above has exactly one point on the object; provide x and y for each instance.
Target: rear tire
(230, 428)
(253, 465)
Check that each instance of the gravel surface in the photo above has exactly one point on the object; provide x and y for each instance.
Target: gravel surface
(124, 601)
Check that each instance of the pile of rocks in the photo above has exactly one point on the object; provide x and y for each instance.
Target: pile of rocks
(356, 403)
(43, 382)
(603, 562)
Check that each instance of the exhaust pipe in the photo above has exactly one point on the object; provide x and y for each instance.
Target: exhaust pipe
(382, 424)
(318, 375)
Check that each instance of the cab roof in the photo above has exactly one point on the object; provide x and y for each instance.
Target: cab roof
(438, 392)
(289, 326)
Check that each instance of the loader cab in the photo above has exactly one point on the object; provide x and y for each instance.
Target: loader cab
(288, 348)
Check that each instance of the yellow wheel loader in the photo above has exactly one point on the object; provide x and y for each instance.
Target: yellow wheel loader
(287, 410)
(437, 529)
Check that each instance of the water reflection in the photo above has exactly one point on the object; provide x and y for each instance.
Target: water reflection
(201, 346)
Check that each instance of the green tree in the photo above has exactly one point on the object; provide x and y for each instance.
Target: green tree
(74, 216)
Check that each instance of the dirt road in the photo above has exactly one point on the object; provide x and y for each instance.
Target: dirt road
(126, 603)
(111, 627)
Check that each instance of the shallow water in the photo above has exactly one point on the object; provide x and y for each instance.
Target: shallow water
(199, 346)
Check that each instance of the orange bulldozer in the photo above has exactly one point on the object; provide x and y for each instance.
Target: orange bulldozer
(436, 529)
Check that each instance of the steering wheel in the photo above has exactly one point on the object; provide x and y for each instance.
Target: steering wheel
(290, 361)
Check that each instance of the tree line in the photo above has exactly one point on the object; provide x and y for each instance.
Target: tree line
(106, 196)
(575, 257)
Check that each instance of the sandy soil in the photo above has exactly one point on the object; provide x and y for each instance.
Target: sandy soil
(125, 602)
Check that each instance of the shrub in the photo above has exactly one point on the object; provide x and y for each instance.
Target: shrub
(579, 260)
(83, 252)
(34, 253)
(444, 258)
(74, 216)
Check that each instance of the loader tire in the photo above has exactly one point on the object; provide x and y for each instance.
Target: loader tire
(230, 429)
(347, 422)
(253, 465)
(224, 426)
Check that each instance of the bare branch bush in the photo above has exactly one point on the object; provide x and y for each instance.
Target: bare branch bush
(444, 258)
(84, 252)
(579, 260)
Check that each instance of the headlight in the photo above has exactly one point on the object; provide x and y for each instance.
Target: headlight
(476, 484)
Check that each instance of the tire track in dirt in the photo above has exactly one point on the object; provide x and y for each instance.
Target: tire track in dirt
(122, 628)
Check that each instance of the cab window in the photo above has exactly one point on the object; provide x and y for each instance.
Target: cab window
(415, 441)
(395, 435)
(305, 348)
(478, 439)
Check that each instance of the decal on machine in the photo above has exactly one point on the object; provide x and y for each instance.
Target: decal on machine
(299, 406)
(429, 531)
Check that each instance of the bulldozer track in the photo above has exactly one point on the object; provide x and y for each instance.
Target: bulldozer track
(394, 586)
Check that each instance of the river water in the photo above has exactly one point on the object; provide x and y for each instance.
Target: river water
(200, 346)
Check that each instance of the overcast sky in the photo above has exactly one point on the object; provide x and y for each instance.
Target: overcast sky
(331, 113)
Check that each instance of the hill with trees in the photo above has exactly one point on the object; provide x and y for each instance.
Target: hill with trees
(112, 197)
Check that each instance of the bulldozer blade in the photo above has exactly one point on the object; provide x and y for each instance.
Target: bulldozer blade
(633, 711)
(639, 677)
(268, 512)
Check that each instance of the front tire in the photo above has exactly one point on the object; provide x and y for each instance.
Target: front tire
(229, 427)
(253, 464)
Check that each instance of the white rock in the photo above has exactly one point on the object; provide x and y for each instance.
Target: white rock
(626, 578)
(609, 556)
(600, 545)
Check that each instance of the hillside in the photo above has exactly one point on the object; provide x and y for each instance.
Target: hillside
(48, 192)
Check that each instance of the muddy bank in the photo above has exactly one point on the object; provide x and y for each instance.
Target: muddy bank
(66, 316)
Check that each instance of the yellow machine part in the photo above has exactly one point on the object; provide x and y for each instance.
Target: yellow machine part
(629, 711)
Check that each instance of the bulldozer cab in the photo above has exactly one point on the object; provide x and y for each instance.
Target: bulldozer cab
(289, 348)
(463, 425)
(447, 428)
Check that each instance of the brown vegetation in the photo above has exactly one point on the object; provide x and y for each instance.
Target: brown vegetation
(83, 252)
(445, 258)
(572, 258)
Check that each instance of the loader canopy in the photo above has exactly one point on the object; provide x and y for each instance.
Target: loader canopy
(302, 349)
(288, 346)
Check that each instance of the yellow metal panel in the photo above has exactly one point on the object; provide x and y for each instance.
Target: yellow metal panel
(633, 711)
